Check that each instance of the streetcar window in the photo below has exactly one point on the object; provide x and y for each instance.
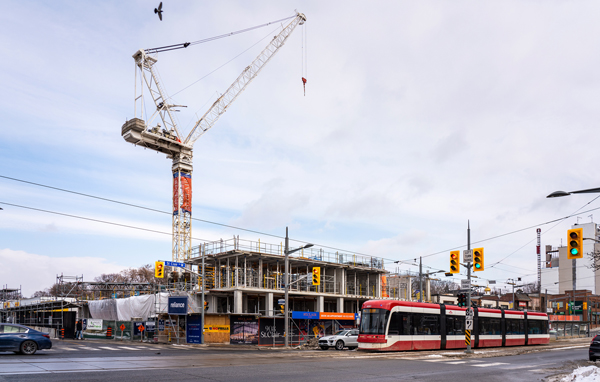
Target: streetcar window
(399, 324)
(515, 326)
(425, 324)
(374, 321)
(537, 327)
(489, 326)
(455, 325)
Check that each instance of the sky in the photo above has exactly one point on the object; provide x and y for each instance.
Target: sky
(419, 118)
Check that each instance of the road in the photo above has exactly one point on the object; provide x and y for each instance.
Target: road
(132, 362)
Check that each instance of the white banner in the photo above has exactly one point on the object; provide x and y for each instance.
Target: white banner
(94, 324)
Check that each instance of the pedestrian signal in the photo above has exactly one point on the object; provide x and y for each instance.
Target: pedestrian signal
(575, 243)
(159, 269)
(282, 309)
(316, 276)
(205, 305)
(454, 264)
(478, 259)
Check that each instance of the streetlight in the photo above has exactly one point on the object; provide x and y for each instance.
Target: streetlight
(287, 282)
(557, 194)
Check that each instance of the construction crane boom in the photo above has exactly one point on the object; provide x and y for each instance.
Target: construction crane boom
(167, 138)
(239, 85)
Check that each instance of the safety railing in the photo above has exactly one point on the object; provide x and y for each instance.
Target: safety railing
(235, 244)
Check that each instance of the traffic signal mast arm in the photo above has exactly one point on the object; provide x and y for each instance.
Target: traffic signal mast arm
(220, 106)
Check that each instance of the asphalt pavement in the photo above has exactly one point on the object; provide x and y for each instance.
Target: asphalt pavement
(131, 362)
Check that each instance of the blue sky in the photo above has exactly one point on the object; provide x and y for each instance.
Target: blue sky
(418, 116)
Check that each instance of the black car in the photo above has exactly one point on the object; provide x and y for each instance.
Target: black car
(595, 348)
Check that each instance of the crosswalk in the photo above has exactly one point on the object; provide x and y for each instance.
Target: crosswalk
(75, 348)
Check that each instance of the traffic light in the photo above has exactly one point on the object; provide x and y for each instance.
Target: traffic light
(159, 269)
(478, 259)
(282, 309)
(575, 243)
(205, 305)
(316, 276)
(454, 261)
(462, 299)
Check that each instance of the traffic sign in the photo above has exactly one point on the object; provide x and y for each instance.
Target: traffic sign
(174, 264)
(469, 324)
(465, 284)
(469, 313)
(468, 255)
(281, 301)
(141, 328)
(122, 327)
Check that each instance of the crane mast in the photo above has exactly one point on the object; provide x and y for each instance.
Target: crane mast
(167, 138)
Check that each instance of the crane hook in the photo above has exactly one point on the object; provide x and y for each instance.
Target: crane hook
(304, 85)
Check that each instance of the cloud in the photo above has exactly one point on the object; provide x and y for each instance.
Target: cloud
(34, 272)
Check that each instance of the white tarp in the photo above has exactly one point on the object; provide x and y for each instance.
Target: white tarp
(137, 306)
(123, 309)
(103, 309)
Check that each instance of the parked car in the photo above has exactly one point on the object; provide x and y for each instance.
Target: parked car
(340, 340)
(21, 339)
(595, 348)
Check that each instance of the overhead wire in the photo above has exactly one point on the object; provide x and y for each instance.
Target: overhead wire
(406, 261)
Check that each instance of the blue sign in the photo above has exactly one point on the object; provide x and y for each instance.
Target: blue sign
(161, 325)
(174, 264)
(193, 330)
(178, 305)
(305, 315)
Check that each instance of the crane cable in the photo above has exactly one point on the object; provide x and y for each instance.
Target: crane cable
(186, 44)
(304, 58)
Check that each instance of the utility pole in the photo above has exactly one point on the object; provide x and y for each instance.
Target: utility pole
(420, 279)
(469, 309)
(203, 249)
(287, 282)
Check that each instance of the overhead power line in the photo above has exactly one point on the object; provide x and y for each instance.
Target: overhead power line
(406, 261)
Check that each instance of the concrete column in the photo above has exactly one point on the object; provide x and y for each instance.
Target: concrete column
(320, 303)
(269, 304)
(260, 273)
(237, 302)
(408, 288)
(340, 305)
(428, 289)
(378, 286)
(245, 303)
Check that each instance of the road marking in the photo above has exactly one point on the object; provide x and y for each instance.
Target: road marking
(430, 360)
(455, 362)
(88, 348)
(107, 348)
(70, 349)
(128, 348)
(491, 364)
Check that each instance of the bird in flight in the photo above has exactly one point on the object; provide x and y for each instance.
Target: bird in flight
(159, 11)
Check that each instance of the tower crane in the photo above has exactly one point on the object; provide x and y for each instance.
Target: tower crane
(169, 139)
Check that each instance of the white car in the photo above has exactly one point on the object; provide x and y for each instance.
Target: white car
(340, 340)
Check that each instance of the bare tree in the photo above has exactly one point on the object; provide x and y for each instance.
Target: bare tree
(594, 260)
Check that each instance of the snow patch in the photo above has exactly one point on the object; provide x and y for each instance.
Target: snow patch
(583, 374)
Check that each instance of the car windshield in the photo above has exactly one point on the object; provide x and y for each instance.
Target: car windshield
(374, 321)
(341, 333)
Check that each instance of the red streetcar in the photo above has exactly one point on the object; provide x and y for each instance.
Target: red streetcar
(388, 325)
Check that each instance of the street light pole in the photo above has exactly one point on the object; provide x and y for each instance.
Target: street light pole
(287, 282)
(286, 279)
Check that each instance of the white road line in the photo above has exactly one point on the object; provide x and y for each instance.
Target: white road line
(70, 349)
(491, 364)
(430, 360)
(107, 348)
(127, 348)
(455, 362)
(87, 348)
